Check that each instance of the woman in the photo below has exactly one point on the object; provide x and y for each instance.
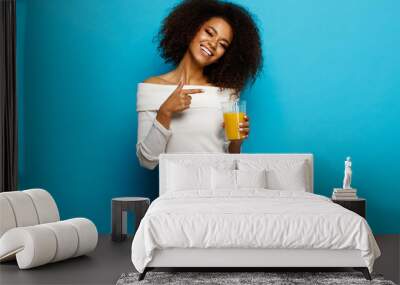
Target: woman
(216, 49)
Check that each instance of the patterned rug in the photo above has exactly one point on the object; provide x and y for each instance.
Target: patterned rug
(244, 278)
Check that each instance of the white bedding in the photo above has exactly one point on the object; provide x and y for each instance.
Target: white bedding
(251, 218)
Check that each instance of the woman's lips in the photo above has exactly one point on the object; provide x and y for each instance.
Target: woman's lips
(206, 51)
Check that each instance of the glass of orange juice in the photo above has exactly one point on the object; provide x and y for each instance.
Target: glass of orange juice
(234, 112)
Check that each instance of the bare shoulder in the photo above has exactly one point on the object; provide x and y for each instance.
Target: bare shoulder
(156, 80)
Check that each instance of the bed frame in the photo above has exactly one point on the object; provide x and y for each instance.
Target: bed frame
(236, 259)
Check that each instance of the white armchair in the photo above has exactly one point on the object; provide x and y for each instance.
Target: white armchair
(31, 230)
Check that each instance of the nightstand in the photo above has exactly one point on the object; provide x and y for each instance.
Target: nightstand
(120, 206)
(358, 205)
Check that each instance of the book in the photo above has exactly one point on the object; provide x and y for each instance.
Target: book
(344, 198)
(335, 197)
(345, 194)
(340, 190)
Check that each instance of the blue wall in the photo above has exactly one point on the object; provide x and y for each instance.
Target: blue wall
(330, 86)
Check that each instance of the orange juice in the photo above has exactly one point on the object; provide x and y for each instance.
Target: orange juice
(232, 120)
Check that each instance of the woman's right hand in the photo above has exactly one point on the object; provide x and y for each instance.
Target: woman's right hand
(178, 101)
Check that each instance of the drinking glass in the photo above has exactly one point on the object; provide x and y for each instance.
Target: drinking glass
(234, 112)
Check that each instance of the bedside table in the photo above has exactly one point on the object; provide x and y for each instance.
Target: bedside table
(358, 206)
(119, 208)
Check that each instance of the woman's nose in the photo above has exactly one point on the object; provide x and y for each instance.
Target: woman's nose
(213, 44)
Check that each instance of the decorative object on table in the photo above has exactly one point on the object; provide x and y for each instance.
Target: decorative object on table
(31, 231)
(347, 173)
(248, 278)
(346, 193)
(120, 206)
(357, 205)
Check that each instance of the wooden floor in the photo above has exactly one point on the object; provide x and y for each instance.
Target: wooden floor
(110, 260)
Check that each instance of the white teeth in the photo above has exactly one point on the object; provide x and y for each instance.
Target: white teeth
(206, 50)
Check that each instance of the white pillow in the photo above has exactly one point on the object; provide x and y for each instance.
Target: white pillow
(281, 174)
(186, 174)
(181, 177)
(223, 179)
(251, 178)
(290, 179)
(236, 179)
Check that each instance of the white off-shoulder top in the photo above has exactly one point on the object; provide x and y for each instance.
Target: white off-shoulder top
(197, 129)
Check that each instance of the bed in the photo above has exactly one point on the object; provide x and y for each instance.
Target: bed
(247, 211)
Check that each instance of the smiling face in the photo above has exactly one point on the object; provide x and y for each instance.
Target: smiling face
(211, 41)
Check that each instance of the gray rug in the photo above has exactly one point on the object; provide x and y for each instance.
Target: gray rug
(232, 278)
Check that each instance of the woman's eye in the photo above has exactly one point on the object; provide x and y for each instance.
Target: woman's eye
(224, 46)
(208, 33)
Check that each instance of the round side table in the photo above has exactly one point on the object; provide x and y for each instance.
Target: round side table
(120, 206)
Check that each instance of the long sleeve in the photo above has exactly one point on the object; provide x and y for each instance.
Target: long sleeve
(152, 139)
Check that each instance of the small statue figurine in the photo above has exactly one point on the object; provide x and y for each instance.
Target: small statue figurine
(347, 173)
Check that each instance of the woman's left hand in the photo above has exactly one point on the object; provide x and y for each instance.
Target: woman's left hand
(244, 128)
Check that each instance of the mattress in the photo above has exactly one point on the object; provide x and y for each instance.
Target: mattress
(250, 219)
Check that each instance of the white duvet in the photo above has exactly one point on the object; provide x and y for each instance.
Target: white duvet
(250, 219)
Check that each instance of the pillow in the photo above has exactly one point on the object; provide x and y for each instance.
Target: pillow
(193, 174)
(289, 179)
(236, 179)
(281, 174)
(251, 178)
(181, 177)
(223, 179)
